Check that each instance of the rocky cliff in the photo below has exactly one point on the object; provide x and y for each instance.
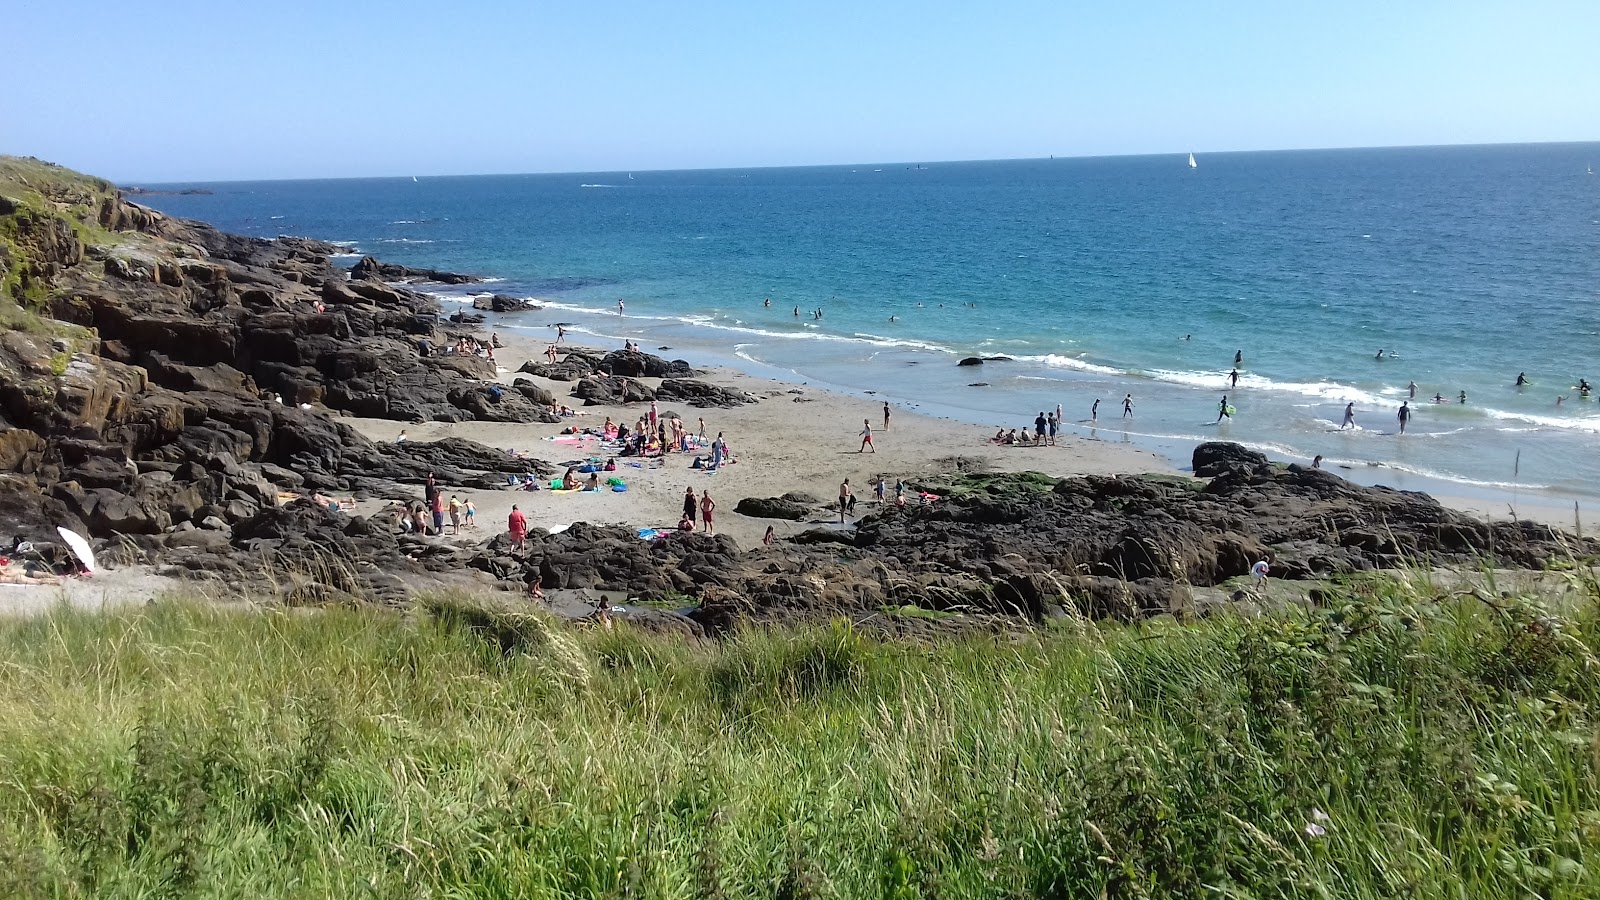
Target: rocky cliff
(158, 376)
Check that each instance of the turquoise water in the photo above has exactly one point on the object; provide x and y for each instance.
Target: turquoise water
(1467, 265)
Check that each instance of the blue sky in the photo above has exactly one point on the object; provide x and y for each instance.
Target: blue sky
(200, 91)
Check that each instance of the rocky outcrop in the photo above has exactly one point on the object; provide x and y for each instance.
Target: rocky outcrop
(370, 268)
(701, 394)
(504, 303)
(637, 364)
(1023, 547)
(794, 507)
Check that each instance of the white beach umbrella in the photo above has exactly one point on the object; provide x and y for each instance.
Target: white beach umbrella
(79, 546)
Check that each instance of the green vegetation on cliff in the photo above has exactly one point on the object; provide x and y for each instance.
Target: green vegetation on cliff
(1394, 744)
(48, 216)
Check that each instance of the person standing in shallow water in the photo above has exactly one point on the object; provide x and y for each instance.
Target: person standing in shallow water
(1404, 415)
(1349, 417)
(1238, 358)
(1094, 411)
(1127, 406)
(1233, 379)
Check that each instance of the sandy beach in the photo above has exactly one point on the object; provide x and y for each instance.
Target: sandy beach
(797, 438)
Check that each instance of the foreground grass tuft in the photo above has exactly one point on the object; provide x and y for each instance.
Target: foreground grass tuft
(1382, 747)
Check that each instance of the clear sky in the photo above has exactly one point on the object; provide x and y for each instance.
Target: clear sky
(179, 90)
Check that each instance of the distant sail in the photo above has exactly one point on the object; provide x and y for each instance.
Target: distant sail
(413, 178)
(1192, 164)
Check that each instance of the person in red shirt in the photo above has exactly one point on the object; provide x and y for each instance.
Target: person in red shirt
(518, 525)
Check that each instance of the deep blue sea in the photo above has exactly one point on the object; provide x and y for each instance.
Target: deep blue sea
(1097, 277)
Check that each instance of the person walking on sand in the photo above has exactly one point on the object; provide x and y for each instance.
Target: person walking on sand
(517, 524)
(1223, 411)
(1404, 415)
(885, 415)
(1349, 417)
(689, 505)
(1127, 406)
(847, 499)
(470, 513)
(866, 437)
(707, 507)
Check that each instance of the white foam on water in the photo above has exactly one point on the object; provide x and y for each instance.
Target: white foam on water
(1322, 390)
(1057, 361)
(1590, 424)
(597, 185)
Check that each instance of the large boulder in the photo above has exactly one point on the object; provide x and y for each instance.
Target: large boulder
(1219, 457)
(611, 390)
(701, 394)
(637, 364)
(775, 508)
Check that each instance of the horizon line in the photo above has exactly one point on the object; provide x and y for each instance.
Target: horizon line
(121, 183)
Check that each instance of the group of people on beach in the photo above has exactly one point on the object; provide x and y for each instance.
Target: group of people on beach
(416, 518)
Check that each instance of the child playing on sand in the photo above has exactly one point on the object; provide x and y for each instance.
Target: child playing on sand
(471, 514)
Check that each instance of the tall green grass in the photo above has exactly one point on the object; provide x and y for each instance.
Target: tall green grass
(1445, 749)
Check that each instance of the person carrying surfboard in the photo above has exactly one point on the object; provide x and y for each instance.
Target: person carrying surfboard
(1224, 411)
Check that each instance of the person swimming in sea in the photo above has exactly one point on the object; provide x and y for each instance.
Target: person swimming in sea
(1439, 398)
(1463, 398)
(1238, 358)
(1380, 354)
(1522, 379)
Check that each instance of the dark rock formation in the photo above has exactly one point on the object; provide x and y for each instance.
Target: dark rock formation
(504, 303)
(370, 268)
(971, 361)
(776, 508)
(637, 364)
(701, 394)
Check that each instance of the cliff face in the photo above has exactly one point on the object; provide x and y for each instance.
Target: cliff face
(153, 371)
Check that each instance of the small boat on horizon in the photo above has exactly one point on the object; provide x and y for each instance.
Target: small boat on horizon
(413, 178)
(1192, 163)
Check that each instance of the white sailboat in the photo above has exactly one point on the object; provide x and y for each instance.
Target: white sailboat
(1192, 163)
(413, 178)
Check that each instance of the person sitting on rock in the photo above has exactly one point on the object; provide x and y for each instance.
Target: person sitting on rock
(536, 587)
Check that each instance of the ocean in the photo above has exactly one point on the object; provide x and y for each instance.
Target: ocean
(1094, 278)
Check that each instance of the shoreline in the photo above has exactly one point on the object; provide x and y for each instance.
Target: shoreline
(1408, 472)
(802, 436)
